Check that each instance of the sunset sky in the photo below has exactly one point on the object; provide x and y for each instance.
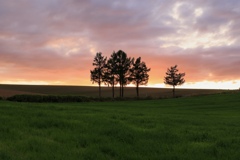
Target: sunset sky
(54, 41)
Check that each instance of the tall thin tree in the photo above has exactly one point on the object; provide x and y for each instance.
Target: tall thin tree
(174, 78)
(139, 74)
(97, 74)
(110, 73)
(122, 69)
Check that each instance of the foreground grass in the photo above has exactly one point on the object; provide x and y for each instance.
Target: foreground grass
(204, 127)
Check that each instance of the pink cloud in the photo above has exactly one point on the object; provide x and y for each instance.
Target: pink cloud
(56, 41)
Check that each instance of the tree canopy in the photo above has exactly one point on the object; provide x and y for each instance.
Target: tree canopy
(174, 78)
(139, 74)
(119, 69)
(123, 70)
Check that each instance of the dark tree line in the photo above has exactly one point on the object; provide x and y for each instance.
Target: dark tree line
(123, 70)
(119, 69)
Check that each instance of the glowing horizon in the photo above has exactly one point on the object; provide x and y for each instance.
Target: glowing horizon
(226, 85)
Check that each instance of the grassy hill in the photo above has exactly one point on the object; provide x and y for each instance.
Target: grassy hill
(200, 127)
(10, 90)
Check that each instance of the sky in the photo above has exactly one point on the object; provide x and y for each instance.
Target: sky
(54, 41)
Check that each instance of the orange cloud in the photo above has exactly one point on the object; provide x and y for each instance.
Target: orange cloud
(55, 42)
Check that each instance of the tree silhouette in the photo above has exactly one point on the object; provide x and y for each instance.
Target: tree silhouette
(139, 74)
(110, 73)
(122, 66)
(97, 74)
(119, 68)
(174, 78)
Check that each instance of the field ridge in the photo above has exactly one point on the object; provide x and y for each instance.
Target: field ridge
(92, 91)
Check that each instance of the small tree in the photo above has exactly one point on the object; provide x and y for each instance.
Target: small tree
(139, 74)
(97, 74)
(174, 78)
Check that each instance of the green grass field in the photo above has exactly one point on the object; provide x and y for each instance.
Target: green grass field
(201, 127)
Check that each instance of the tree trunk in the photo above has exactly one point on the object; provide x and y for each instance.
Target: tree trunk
(113, 92)
(173, 91)
(121, 83)
(122, 90)
(99, 84)
(137, 90)
(99, 89)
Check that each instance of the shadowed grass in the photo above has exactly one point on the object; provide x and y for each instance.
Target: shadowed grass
(204, 127)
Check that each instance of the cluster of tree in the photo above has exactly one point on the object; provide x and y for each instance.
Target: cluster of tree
(119, 69)
(123, 70)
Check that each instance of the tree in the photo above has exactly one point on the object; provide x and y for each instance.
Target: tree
(139, 74)
(97, 74)
(110, 73)
(174, 78)
(122, 66)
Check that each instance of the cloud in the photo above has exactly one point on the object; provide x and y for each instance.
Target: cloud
(57, 40)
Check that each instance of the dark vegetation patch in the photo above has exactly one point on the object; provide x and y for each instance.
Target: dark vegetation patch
(63, 99)
(75, 98)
